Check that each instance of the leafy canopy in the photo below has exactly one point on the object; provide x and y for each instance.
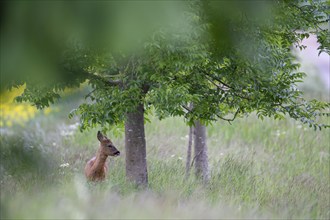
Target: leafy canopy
(228, 64)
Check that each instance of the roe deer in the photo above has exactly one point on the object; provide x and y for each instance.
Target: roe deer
(96, 168)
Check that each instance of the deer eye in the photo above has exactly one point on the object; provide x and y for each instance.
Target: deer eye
(110, 145)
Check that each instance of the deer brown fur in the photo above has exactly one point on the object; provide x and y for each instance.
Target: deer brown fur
(96, 168)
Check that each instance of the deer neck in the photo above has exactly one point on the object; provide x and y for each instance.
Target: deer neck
(100, 160)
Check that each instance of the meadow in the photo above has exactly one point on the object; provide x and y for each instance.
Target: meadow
(259, 169)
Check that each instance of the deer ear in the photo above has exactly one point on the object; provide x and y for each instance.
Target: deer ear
(100, 136)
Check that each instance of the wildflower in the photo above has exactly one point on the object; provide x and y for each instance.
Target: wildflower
(15, 113)
(47, 111)
(64, 165)
(74, 126)
(66, 133)
(278, 133)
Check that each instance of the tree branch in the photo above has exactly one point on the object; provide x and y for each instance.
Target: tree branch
(229, 119)
(226, 85)
(225, 119)
(90, 93)
(107, 81)
(115, 82)
(219, 80)
(223, 88)
(185, 107)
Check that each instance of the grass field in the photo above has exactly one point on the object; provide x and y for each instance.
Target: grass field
(259, 169)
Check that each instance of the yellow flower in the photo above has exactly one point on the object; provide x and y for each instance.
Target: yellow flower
(31, 110)
(12, 112)
(9, 123)
(47, 111)
(24, 116)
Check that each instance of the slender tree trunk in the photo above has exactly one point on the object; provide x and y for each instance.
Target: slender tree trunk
(135, 146)
(189, 151)
(200, 152)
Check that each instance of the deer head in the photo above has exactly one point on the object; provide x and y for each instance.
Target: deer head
(107, 146)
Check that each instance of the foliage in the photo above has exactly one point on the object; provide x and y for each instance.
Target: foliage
(229, 66)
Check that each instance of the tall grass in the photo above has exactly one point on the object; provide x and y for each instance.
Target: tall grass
(259, 169)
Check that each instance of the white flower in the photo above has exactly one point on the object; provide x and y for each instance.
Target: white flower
(278, 133)
(73, 127)
(66, 133)
(64, 165)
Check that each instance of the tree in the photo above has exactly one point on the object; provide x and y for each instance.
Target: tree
(228, 64)
(200, 152)
(116, 74)
(197, 131)
(284, 32)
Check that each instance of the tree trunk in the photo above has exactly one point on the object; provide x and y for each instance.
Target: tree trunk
(189, 151)
(135, 146)
(200, 152)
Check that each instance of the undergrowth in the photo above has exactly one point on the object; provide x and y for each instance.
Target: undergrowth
(259, 169)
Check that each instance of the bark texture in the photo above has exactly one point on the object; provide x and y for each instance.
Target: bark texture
(200, 152)
(189, 151)
(135, 146)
